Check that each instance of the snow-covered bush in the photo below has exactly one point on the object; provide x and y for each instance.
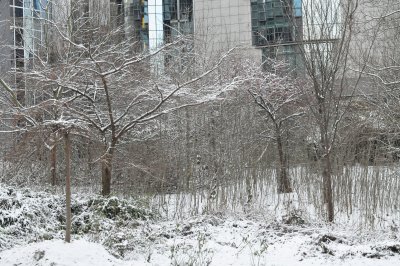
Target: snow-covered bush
(27, 216)
(97, 214)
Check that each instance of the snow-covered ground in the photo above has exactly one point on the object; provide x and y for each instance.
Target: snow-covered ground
(210, 240)
(117, 232)
(58, 252)
(215, 241)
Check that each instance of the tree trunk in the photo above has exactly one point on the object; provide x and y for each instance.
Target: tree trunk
(327, 182)
(283, 179)
(53, 164)
(68, 186)
(326, 159)
(106, 169)
(188, 166)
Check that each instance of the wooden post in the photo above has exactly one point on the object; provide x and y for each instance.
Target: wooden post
(67, 185)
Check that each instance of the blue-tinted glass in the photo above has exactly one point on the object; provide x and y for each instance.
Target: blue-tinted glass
(297, 8)
(36, 4)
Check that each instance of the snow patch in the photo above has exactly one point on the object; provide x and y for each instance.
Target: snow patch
(57, 252)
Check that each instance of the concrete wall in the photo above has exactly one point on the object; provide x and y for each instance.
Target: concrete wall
(223, 24)
(321, 19)
(383, 35)
(6, 39)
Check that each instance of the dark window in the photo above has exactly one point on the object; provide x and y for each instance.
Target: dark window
(19, 58)
(19, 41)
(19, 12)
(19, 53)
(19, 3)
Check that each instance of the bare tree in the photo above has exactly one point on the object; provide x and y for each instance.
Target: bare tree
(278, 95)
(383, 65)
(108, 81)
(34, 119)
(325, 48)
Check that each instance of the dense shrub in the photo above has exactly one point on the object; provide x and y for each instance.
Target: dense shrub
(27, 216)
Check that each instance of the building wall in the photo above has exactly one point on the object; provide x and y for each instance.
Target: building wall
(6, 39)
(5, 58)
(321, 19)
(220, 25)
(381, 34)
(216, 25)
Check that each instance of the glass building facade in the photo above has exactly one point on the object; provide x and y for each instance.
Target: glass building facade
(276, 26)
(27, 27)
(155, 22)
(27, 37)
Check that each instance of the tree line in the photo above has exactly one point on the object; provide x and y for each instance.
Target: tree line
(193, 125)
